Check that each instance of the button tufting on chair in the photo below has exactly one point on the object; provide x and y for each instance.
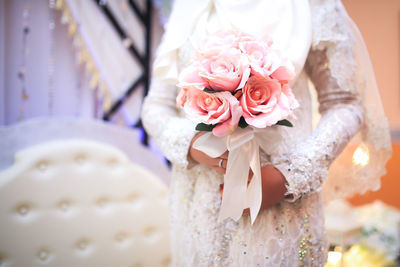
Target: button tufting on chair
(42, 165)
(43, 255)
(121, 238)
(81, 203)
(82, 244)
(166, 261)
(112, 161)
(80, 159)
(23, 209)
(103, 202)
(64, 205)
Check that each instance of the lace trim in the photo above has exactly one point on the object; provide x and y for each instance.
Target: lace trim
(334, 35)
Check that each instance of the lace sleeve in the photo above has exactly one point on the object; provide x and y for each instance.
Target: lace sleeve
(161, 120)
(331, 67)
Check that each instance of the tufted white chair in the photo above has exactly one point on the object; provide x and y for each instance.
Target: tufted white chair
(81, 203)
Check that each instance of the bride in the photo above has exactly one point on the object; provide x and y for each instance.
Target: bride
(325, 47)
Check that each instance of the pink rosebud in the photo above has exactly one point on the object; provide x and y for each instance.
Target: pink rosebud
(266, 101)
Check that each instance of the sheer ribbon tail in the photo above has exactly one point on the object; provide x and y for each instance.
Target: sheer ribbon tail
(243, 146)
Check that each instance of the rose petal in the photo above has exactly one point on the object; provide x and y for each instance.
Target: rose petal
(283, 73)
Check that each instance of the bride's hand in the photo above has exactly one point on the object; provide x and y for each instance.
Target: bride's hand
(273, 188)
(204, 159)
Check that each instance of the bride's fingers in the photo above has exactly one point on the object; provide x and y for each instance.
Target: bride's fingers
(225, 155)
(246, 212)
(224, 163)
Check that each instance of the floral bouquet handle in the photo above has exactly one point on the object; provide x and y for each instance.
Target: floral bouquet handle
(237, 89)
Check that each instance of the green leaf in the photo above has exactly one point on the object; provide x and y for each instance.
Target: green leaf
(211, 91)
(285, 123)
(204, 127)
(242, 123)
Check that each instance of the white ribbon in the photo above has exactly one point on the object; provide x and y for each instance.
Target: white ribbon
(243, 146)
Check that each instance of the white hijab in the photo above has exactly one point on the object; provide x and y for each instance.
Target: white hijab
(287, 22)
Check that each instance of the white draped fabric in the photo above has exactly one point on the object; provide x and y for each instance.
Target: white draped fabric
(115, 64)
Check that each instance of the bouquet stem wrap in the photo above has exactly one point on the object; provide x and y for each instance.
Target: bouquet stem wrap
(244, 147)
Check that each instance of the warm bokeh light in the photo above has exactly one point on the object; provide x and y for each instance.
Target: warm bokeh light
(361, 156)
(334, 258)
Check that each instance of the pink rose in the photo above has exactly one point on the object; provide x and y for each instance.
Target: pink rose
(215, 44)
(220, 108)
(285, 72)
(265, 101)
(265, 61)
(189, 78)
(244, 37)
(227, 71)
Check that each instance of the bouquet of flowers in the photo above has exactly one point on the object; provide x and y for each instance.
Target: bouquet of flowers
(236, 87)
(236, 80)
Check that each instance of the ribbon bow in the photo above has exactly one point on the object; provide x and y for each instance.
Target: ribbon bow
(244, 147)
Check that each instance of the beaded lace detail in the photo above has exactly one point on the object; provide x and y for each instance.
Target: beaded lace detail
(306, 164)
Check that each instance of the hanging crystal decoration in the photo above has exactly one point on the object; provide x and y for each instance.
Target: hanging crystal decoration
(52, 5)
(22, 69)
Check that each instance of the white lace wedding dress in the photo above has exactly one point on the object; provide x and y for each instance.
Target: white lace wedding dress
(292, 232)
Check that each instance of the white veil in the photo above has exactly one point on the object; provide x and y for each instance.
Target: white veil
(361, 165)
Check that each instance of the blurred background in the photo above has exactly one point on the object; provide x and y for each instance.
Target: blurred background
(79, 70)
